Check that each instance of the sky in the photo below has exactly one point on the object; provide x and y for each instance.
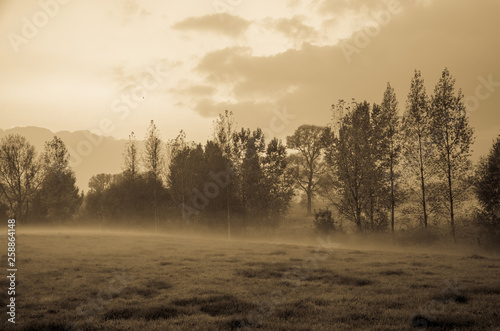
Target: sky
(113, 66)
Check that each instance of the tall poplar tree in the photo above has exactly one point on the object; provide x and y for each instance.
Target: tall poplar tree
(452, 136)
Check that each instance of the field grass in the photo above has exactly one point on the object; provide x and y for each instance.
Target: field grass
(112, 281)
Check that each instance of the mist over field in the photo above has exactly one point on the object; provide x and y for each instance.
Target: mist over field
(249, 165)
(107, 280)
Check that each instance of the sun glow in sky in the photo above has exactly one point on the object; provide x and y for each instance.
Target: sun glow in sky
(86, 58)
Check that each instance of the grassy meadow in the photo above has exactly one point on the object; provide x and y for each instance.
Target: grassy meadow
(126, 281)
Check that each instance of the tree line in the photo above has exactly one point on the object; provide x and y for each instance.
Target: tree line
(378, 170)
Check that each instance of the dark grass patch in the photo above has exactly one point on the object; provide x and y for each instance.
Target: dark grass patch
(356, 252)
(293, 259)
(476, 257)
(297, 309)
(120, 313)
(189, 259)
(226, 307)
(158, 284)
(277, 253)
(52, 325)
(417, 264)
(395, 305)
(322, 302)
(159, 312)
(328, 276)
(147, 313)
(232, 260)
(421, 285)
(491, 266)
(146, 292)
(217, 305)
(442, 322)
(238, 324)
(265, 270)
(449, 296)
(444, 266)
(164, 263)
(485, 290)
(397, 272)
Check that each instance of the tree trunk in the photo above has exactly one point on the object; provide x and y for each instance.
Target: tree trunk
(450, 191)
(228, 219)
(422, 178)
(372, 218)
(393, 202)
(309, 202)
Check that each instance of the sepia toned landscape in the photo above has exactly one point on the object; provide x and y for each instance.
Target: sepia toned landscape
(237, 165)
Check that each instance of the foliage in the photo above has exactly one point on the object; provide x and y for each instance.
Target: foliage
(20, 175)
(308, 166)
(487, 189)
(452, 137)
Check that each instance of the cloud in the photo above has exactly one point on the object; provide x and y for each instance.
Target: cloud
(197, 90)
(455, 34)
(226, 24)
(294, 29)
(340, 7)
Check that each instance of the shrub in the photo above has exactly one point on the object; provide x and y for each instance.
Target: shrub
(323, 222)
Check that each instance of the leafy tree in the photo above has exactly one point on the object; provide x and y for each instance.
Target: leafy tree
(224, 132)
(375, 169)
(349, 158)
(452, 136)
(94, 200)
(20, 175)
(220, 173)
(252, 178)
(224, 136)
(185, 176)
(416, 131)
(487, 189)
(308, 164)
(386, 131)
(131, 157)
(58, 198)
(153, 163)
(278, 181)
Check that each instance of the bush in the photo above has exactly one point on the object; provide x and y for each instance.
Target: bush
(323, 222)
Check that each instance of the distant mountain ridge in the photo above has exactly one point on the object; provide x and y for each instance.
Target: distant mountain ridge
(90, 153)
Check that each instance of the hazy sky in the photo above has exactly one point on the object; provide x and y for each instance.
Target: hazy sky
(114, 65)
